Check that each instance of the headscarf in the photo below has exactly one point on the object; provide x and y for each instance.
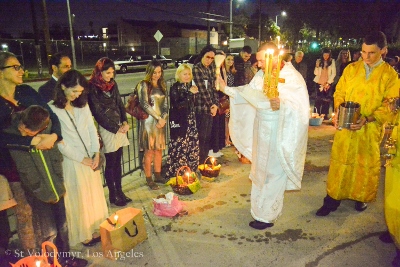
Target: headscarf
(97, 78)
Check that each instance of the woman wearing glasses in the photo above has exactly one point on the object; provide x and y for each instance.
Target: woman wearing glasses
(15, 96)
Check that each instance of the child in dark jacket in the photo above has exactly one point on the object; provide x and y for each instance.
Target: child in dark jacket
(41, 177)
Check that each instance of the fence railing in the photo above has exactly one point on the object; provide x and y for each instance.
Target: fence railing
(130, 157)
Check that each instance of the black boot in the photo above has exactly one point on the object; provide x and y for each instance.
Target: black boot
(123, 196)
(115, 198)
(329, 206)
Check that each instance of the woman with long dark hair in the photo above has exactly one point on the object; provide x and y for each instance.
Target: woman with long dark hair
(85, 203)
(107, 108)
(153, 99)
(325, 72)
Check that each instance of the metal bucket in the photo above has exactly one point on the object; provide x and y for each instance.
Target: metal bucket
(349, 112)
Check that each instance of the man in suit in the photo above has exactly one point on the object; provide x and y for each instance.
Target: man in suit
(59, 64)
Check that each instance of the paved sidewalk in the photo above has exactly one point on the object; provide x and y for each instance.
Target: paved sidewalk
(216, 231)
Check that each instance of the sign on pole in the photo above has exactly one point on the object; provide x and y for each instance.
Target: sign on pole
(158, 36)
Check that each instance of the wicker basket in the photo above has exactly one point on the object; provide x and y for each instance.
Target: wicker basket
(191, 180)
(31, 261)
(208, 169)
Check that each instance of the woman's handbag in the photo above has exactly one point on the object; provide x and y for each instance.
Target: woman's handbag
(133, 107)
(223, 104)
(102, 158)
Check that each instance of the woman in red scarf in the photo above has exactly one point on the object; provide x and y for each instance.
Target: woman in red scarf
(108, 110)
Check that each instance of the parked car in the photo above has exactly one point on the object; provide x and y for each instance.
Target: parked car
(128, 62)
(183, 59)
(165, 61)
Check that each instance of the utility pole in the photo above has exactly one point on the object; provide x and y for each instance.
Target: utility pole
(71, 32)
(46, 31)
(37, 38)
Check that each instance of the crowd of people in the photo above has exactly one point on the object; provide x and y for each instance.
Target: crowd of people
(55, 134)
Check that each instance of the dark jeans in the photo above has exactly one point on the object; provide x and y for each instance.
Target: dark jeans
(113, 170)
(52, 218)
(204, 126)
(323, 100)
(217, 138)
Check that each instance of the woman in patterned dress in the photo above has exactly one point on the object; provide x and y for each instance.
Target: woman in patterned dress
(183, 148)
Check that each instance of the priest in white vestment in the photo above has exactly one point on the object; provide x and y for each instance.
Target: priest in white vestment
(273, 136)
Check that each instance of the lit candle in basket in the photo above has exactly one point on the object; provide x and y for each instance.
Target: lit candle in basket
(37, 263)
(187, 177)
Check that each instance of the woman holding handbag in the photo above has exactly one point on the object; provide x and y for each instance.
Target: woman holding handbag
(109, 111)
(85, 203)
(183, 147)
(153, 99)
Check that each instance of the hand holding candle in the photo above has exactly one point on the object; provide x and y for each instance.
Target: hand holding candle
(219, 59)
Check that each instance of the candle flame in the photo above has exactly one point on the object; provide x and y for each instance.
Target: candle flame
(116, 218)
(37, 263)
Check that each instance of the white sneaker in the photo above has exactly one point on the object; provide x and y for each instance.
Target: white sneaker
(212, 154)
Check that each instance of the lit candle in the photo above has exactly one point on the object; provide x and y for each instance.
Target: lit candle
(271, 55)
(116, 218)
(37, 263)
(278, 68)
(266, 69)
(187, 176)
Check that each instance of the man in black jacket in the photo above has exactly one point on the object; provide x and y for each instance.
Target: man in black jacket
(59, 64)
(241, 62)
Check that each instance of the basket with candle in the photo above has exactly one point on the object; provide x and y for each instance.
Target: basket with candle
(40, 260)
(210, 169)
(185, 182)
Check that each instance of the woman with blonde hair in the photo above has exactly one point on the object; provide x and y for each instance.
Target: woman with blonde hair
(153, 99)
(183, 148)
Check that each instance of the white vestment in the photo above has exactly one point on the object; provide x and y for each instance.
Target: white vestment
(274, 141)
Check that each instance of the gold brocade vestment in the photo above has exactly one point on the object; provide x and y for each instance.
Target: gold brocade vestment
(355, 159)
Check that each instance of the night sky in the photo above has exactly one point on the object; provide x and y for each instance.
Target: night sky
(16, 15)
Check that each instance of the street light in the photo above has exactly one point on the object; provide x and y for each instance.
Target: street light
(230, 20)
(283, 14)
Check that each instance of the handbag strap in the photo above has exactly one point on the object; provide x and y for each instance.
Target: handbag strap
(76, 129)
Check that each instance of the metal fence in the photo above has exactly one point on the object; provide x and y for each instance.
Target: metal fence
(130, 157)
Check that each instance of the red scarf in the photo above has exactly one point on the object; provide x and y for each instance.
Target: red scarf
(97, 78)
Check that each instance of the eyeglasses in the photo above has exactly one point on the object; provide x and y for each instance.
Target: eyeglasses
(16, 67)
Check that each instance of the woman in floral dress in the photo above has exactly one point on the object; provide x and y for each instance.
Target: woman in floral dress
(183, 148)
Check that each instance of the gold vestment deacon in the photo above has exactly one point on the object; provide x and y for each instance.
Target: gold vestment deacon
(355, 159)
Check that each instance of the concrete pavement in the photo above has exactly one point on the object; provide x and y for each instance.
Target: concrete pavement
(216, 231)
